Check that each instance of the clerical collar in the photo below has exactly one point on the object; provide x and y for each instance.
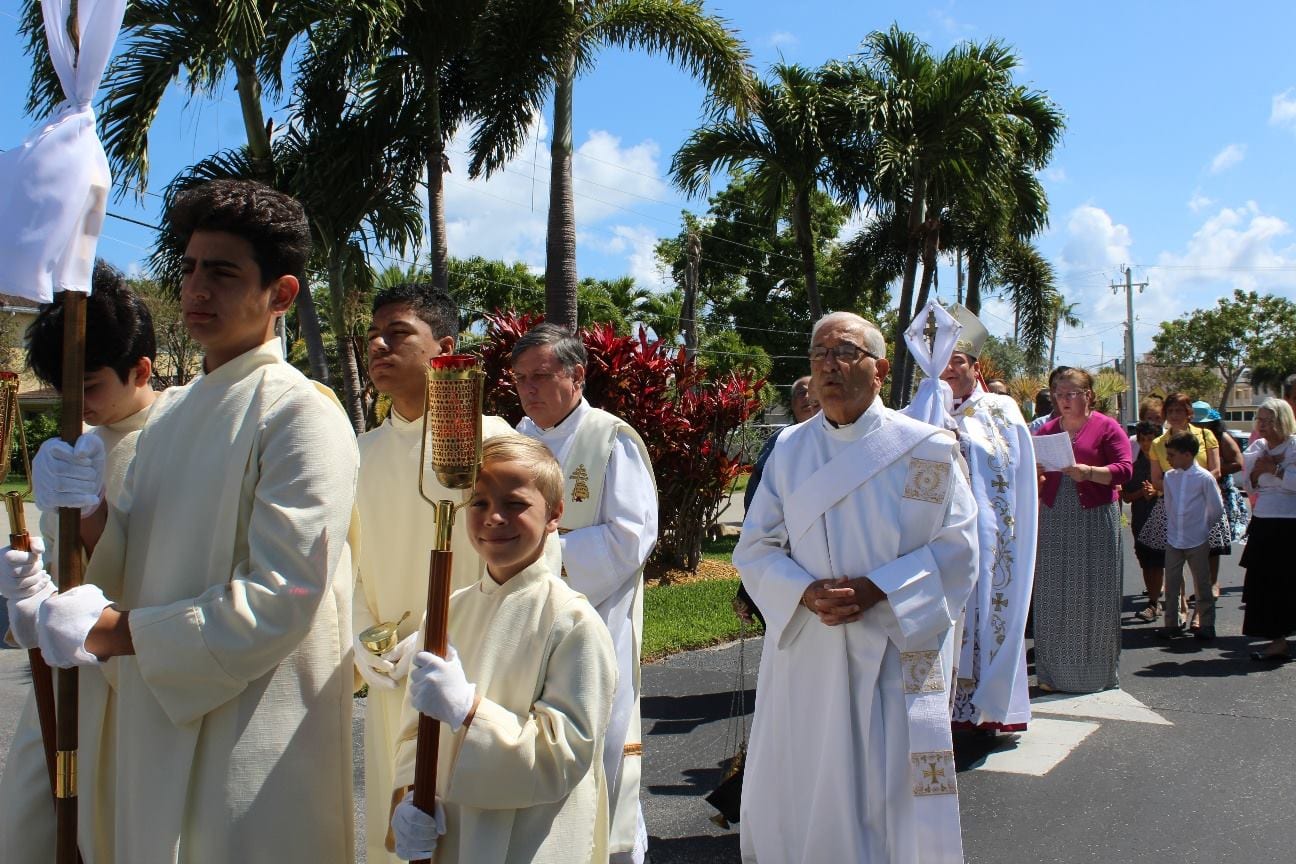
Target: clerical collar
(974, 393)
(860, 426)
(567, 423)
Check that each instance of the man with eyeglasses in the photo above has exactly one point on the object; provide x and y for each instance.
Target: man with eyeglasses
(860, 548)
(608, 529)
(992, 691)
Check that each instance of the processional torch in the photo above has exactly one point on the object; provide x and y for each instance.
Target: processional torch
(42, 675)
(452, 430)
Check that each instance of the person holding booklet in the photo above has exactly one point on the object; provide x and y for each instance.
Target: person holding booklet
(1078, 561)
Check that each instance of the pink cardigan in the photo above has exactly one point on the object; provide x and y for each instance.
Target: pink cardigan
(1101, 442)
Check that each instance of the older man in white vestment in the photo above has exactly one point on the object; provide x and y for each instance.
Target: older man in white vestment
(991, 692)
(412, 324)
(608, 529)
(218, 595)
(860, 548)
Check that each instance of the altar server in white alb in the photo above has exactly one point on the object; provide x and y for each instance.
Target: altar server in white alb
(523, 697)
(218, 596)
(412, 324)
(991, 692)
(120, 350)
(860, 548)
(608, 529)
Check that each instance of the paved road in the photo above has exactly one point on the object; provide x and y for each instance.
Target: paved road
(1193, 760)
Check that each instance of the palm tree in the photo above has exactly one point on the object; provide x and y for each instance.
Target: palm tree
(199, 43)
(1062, 313)
(786, 144)
(679, 29)
(935, 134)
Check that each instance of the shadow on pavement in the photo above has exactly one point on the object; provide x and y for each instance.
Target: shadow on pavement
(700, 782)
(704, 849)
(680, 715)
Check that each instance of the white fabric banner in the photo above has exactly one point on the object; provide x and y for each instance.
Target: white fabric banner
(934, 399)
(54, 186)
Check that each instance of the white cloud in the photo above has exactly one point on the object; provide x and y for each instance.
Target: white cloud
(1240, 247)
(1227, 158)
(781, 39)
(506, 216)
(640, 243)
(1284, 109)
(1199, 202)
(1056, 174)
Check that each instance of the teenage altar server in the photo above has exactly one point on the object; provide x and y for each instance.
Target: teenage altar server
(218, 596)
(412, 323)
(860, 548)
(524, 700)
(608, 529)
(120, 350)
(992, 692)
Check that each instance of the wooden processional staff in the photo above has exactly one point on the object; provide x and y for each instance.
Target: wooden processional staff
(42, 675)
(452, 429)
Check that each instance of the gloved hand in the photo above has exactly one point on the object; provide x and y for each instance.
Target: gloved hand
(63, 623)
(439, 689)
(402, 656)
(416, 832)
(373, 669)
(22, 573)
(67, 476)
(22, 616)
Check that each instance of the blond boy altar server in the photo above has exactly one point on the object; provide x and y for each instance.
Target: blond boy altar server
(992, 693)
(120, 350)
(219, 595)
(608, 528)
(860, 548)
(524, 700)
(412, 323)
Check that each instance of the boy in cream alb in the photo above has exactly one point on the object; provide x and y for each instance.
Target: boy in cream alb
(524, 701)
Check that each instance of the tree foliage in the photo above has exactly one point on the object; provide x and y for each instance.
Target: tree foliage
(1247, 330)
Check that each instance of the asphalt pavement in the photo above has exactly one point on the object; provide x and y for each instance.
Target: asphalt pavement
(1192, 760)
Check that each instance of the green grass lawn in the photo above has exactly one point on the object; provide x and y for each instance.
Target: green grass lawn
(720, 549)
(692, 615)
(14, 483)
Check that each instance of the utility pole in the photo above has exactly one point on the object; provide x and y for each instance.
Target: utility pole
(958, 258)
(1131, 366)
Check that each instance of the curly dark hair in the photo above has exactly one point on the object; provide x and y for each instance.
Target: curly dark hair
(274, 223)
(119, 330)
(434, 306)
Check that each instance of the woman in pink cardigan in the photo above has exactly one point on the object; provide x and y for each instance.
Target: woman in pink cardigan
(1079, 567)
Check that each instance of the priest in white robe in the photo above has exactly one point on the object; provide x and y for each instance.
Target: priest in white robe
(860, 548)
(608, 530)
(992, 692)
(218, 596)
(412, 323)
(118, 397)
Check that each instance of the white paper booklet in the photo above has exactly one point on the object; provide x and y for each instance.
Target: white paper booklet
(1053, 452)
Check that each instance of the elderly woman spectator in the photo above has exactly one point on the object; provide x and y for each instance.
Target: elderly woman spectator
(1178, 417)
(1270, 589)
(1079, 568)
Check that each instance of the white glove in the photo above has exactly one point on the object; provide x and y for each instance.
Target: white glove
(67, 476)
(22, 616)
(438, 688)
(63, 623)
(373, 669)
(22, 573)
(416, 832)
(403, 655)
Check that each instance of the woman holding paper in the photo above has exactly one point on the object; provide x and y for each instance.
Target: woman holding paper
(1079, 568)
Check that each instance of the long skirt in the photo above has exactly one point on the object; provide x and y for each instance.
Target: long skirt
(1078, 576)
(1270, 587)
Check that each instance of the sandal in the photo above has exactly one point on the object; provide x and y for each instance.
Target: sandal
(1148, 614)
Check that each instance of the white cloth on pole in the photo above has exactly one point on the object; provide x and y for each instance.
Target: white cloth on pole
(934, 399)
(54, 186)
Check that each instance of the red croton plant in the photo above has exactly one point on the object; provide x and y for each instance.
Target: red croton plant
(687, 418)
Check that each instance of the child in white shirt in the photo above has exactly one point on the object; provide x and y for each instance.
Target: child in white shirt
(1193, 504)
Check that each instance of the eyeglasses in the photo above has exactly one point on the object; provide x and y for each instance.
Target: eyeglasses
(846, 352)
(1068, 395)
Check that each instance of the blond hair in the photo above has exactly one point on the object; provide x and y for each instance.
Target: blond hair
(545, 470)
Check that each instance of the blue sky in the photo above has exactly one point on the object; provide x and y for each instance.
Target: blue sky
(1181, 126)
